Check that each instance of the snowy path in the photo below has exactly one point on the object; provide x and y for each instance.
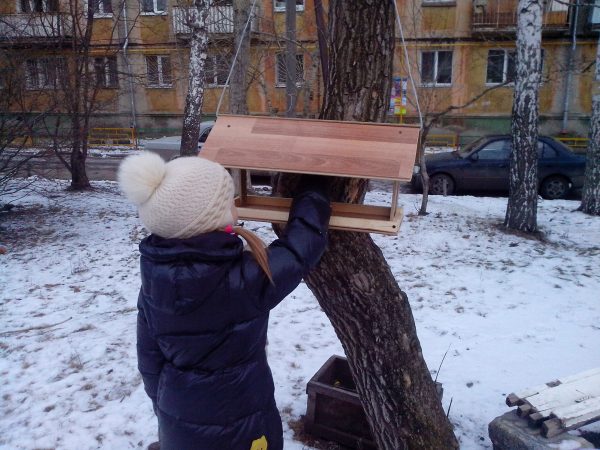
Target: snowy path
(513, 312)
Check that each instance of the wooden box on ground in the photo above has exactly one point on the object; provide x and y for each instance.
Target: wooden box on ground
(320, 147)
(334, 411)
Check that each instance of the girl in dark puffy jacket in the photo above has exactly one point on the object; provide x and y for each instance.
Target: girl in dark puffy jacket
(203, 307)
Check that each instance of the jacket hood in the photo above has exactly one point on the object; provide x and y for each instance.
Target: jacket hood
(178, 275)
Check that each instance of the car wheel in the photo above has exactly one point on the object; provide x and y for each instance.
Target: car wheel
(441, 184)
(554, 187)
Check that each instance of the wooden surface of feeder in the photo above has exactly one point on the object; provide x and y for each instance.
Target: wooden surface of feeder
(321, 147)
(344, 216)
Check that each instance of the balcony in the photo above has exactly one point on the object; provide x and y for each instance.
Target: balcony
(34, 27)
(506, 22)
(220, 20)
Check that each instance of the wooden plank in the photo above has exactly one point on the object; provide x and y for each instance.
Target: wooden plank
(394, 206)
(513, 400)
(373, 132)
(346, 149)
(551, 428)
(522, 395)
(562, 404)
(555, 426)
(578, 412)
(524, 410)
(536, 419)
(575, 391)
(349, 217)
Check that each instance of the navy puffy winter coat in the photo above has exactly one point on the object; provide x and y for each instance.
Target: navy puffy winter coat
(203, 312)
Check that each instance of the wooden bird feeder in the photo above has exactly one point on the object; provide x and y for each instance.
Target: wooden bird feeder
(319, 147)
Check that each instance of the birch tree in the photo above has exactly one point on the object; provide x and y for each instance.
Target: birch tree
(192, 115)
(590, 200)
(521, 211)
(353, 283)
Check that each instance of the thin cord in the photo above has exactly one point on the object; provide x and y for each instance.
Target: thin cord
(412, 81)
(235, 57)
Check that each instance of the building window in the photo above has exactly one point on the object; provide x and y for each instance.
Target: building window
(281, 70)
(27, 6)
(216, 70)
(159, 71)
(500, 67)
(436, 68)
(102, 7)
(556, 5)
(44, 73)
(280, 5)
(106, 72)
(154, 6)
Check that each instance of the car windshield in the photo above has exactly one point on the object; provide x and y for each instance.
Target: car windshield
(469, 147)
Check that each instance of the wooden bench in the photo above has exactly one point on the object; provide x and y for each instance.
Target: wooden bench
(560, 405)
(320, 147)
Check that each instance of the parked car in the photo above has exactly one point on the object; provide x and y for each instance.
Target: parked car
(168, 147)
(484, 166)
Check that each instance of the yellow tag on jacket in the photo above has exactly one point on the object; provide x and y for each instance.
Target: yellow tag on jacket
(259, 444)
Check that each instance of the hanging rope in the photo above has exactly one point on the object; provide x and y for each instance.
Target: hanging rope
(235, 57)
(412, 81)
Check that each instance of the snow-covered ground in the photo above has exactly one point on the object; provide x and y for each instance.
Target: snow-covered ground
(511, 312)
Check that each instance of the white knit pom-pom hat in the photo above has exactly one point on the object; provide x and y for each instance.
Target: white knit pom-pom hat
(179, 199)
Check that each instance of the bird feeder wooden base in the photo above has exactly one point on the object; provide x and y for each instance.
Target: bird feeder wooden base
(318, 147)
(344, 216)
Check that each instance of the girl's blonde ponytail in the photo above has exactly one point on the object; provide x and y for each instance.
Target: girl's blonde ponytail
(258, 249)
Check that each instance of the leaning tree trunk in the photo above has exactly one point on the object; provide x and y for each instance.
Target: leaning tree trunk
(521, 211)
(353, 283)
(192, 116)
(590, 200)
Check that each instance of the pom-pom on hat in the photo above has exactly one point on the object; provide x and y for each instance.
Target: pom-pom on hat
(179, 199)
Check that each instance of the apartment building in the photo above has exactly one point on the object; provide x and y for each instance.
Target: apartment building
(457, 49)
(461, 49)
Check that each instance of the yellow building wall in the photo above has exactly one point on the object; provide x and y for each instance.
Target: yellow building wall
(436, 27)
(104, 32)
(155, 30)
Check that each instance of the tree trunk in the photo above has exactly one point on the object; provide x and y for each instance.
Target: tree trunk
(79, 178)
(290, 57)
(590, 200)
(423, 169)
(238, 87)
(192, 116)
(353, 283)
(322, 39)
(521, 211)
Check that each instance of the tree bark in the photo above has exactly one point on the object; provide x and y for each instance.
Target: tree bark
(238, 103)
(353, 283)
(192, 116)
(290, 58)
(322, 39)
(521, 211)
(590, 200)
